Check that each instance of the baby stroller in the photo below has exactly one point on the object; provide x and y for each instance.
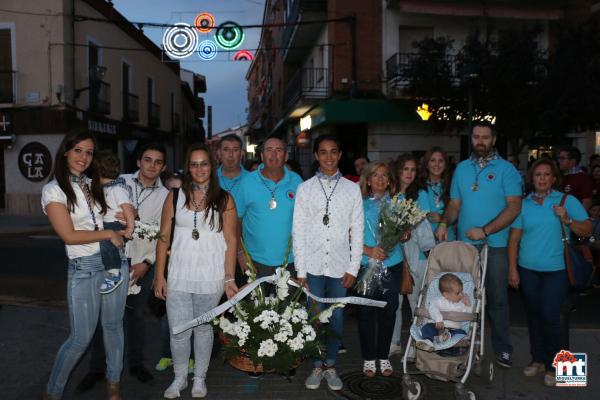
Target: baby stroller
(465, 261)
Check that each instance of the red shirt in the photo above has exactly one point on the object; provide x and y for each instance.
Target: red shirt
(579, 185)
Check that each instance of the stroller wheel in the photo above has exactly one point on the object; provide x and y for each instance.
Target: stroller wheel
(487, 370)
(460, 393)
(411, 390)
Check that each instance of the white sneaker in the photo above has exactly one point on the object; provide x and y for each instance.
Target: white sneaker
(333, 380)
(395, 349)
(199, 388)
(173, 391)
(314, 379)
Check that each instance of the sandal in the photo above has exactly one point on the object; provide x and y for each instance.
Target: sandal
(369, 368)
(385, 367)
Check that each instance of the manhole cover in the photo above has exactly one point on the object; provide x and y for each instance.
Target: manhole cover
(359, 387)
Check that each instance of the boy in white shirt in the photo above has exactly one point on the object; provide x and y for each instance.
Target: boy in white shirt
(118, 198)
(328, 243)
(453, 299)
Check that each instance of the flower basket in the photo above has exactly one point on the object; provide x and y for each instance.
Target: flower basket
(270, 332)
(241, 361)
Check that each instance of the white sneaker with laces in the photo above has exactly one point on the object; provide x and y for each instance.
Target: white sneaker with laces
(333, 380)
(174, 391)
(314, 379)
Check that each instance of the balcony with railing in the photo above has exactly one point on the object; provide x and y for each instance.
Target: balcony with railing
(397, 69)
(307, 85)
(99, 97)
(7, 86)
(131, 107)
(153, 115)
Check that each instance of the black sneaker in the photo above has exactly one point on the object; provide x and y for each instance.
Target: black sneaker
(504, 359)
(342, 349)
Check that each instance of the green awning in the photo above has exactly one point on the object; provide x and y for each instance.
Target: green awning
(363, 110)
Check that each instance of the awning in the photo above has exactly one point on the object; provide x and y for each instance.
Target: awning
(364, 110)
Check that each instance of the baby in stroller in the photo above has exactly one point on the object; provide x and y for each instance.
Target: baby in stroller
(436, 330)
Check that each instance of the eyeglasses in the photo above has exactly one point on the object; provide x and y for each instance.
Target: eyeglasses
(201, 164)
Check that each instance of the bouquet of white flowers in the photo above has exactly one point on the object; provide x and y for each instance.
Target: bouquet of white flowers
(273, 331)
(147, 230)
(396, 218)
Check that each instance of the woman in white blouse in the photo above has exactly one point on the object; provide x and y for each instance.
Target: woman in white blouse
(201, 263)
(74, 202)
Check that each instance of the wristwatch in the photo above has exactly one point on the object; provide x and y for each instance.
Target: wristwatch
(147, 262)
(569, 221)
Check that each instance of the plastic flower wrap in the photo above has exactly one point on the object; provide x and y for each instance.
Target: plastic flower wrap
(397, 217)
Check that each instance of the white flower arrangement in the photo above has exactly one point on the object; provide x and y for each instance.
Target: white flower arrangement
(273, 331)
(147, 230)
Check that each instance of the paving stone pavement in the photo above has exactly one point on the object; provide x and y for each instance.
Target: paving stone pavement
(30, 337)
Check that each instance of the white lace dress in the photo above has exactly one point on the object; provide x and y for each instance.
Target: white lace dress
(196, 266)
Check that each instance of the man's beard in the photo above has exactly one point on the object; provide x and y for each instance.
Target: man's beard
(482, 151)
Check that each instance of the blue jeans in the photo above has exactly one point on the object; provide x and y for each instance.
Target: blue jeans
(111, 255)
(134, 325)
(324, 286)
(544, 293)
(496, 286)
(85, 274)
(429, 331)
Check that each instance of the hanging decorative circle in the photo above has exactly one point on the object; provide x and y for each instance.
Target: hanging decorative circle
(180, 40)
(243, 55)
(204, 22)
(207, 50)
(229, 35)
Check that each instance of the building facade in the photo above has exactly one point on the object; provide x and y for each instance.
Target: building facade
(79, 64)
(330, 66)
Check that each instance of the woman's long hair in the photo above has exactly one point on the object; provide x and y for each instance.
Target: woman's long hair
(423, 175)
(62, 173)
(216, 198)
(412, 191)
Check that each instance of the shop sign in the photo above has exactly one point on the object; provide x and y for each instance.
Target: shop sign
(102, 127)
(35, 162)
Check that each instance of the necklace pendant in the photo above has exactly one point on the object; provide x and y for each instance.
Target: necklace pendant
(195, 234)
(475, 187)
(325, 219)
(272, 203)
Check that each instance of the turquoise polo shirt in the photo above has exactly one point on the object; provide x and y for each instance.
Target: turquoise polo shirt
(232, 186)
(439, 208)
(498, 180)
(266, 232)
(541, 247)
(372, 209)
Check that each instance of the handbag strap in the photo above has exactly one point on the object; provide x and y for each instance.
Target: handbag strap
(175, 197)
(565, 241)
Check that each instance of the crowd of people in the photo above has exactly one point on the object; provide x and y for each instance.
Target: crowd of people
(215, 204)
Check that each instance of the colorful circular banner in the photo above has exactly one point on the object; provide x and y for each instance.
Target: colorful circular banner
(229, 35)
(243, 55)
(180, 40)
(204, 22)
(207, 50)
